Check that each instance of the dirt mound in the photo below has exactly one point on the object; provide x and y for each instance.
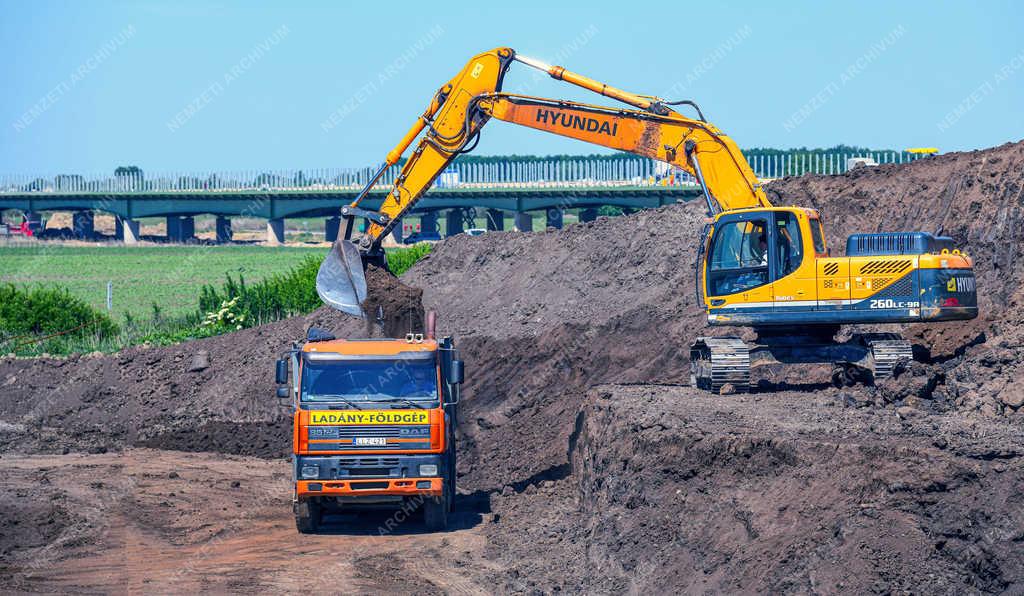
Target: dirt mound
(678, 491)
(214, 394)
(506, 284)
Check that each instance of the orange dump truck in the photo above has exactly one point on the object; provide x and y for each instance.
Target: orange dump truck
(374, 425)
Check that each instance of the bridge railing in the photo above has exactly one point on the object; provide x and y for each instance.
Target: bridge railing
(482, 174)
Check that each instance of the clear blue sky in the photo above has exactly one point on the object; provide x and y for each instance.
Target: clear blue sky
(88, 86)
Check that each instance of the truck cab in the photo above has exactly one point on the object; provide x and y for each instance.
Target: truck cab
(374, 425)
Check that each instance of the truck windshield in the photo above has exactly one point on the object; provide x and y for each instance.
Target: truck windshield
(369, 380)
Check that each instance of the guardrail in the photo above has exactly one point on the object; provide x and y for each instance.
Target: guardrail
(607, 171)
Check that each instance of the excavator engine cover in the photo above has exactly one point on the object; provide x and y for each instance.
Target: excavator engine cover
(341, 282)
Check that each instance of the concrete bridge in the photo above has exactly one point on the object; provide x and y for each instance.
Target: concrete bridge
(456, 204)
(459, 195)
(519, 186)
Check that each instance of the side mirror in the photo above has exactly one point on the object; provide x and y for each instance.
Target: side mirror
(458, 372)
(283, 393)
(282, 371)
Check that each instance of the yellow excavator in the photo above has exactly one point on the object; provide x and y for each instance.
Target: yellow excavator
(758, 265)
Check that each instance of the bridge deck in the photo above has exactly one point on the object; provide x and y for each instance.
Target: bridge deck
(306, 202)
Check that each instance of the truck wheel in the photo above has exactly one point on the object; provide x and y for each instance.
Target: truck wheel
(307, 516)
(435, 513)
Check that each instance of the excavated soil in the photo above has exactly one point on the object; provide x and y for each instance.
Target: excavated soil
(673, 489)
(585, 461)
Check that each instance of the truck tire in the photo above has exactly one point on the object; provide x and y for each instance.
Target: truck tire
(435, 513)
(308, 516)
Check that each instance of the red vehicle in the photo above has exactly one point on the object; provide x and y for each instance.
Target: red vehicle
(20, 230)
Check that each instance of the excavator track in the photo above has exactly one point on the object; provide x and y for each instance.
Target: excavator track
(888, 352)
(718, 361)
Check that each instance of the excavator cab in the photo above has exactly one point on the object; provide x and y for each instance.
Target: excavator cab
(749, 251)
(739, 256)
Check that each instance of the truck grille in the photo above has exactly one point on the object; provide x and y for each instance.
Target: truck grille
(372, 462)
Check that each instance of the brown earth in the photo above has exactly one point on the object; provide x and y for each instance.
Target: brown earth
(589, 465)
(147, 521)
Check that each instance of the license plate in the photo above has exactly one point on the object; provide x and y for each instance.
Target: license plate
(371, 441)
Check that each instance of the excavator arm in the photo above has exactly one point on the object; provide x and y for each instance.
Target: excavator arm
(462, 106)
(694, 146)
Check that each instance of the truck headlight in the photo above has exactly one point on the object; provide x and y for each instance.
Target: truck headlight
(428, 470)
(310, 472)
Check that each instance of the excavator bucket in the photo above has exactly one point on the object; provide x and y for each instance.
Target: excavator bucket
(340, 282)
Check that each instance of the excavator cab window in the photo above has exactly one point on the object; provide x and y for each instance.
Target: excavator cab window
(787, 243)
(739, 256)
(818, 236)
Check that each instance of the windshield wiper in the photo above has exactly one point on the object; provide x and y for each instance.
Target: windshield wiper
(347, 402)
(409, 402)
(404, 400)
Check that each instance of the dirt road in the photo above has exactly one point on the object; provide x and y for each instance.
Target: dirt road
(165, 521)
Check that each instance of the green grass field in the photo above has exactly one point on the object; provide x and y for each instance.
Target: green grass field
(169, 276)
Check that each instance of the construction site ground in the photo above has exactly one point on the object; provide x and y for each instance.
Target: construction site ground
(586, 462)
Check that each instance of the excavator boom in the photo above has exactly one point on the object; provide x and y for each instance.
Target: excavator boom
(472, 97)
(694, 146)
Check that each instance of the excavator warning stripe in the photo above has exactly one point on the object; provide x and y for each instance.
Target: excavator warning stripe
(885, 266)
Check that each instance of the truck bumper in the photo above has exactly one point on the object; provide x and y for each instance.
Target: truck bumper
(370, 487)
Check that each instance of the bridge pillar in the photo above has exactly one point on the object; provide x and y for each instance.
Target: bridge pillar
(188, 228)
(332, 226)
(223, 229)
(180, 228)
(454, 221)
(589, 214)
(83, 224)
(554, 218)
(275, 232)
(495, 220)
(126, 230)
(428, 223)
(173, 228)
(524, 221)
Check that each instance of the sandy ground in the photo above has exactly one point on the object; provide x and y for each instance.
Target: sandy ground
(166, 521)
